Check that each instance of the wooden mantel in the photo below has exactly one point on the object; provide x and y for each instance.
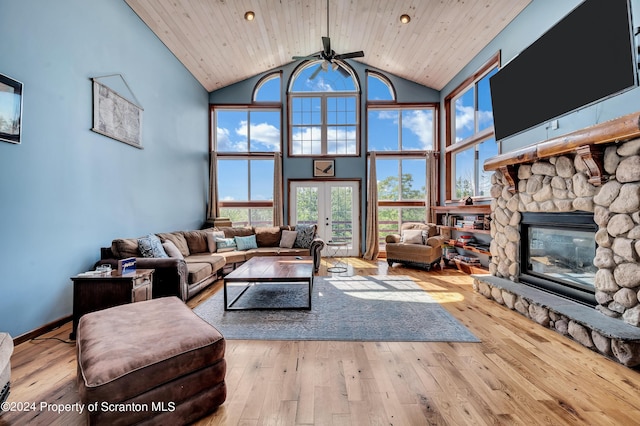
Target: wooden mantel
(586, 142)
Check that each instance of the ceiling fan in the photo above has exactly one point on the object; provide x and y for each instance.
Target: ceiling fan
(328, 55)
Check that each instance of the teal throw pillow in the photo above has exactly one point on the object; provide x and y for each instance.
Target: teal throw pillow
(225, 244)
(246, 243)
(151, 246)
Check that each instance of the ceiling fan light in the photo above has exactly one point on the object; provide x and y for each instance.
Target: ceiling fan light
(405, 19)
(325, 65)
(334, 66)
(249, 15)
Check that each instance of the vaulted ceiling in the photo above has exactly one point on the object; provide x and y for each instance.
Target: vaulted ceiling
(219, 47)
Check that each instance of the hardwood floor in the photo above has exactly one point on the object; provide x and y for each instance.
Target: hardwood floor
(521, 374)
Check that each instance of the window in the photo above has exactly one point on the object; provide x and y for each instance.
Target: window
(245, 140)
(400, 135)
(379, 88)
(268, 89)
(324, 111)
(470, 136)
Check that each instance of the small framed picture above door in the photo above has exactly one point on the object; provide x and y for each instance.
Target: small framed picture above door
(324, 168)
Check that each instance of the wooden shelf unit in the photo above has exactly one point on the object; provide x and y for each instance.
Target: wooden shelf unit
(442, 216)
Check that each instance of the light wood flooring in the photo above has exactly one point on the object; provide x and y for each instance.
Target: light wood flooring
(520, 374)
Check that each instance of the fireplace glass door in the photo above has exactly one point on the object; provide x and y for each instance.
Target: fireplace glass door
(558, 255)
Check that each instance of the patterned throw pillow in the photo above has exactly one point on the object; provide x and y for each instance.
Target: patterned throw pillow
(150, 246)
(305, 236)
(246, 243)
(225, 244)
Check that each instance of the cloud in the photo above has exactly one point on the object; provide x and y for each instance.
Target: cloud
(226, 144)
(263, 133)
(420, 123)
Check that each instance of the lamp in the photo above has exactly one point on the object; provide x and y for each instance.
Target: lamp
(405, 18)
(249, 16)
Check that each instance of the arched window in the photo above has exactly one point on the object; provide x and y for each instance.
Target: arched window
(268, 89)
(379, 88)
(324, 112)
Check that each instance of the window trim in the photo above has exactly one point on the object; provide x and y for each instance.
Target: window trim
(477, 138)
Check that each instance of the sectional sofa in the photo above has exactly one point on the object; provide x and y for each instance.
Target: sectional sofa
(189, 261)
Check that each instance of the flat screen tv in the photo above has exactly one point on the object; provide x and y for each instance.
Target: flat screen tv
(585, 57)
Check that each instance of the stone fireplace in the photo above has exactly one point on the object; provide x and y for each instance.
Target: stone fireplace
(566, 231)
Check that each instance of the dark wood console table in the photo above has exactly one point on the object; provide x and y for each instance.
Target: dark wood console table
(101, 291)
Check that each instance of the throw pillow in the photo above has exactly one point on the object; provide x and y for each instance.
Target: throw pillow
(225, 244)
(288, 239)
(172, 250)
(246, 243)
(211, 240)
(150, 246)
(412, 236)
(305, 236)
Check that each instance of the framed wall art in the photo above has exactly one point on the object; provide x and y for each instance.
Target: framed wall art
(324, 168)
(10, 109)
(115, 116)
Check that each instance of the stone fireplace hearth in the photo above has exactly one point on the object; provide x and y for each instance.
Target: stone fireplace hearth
(595, 171)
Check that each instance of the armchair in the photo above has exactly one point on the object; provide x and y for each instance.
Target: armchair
(418, 245)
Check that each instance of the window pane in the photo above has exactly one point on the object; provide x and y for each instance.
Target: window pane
(378, 90)
(306, 111)
(383, 130)
(413, 214)
(231, 131)
(464, 118)
(486, 149)
(485, 110)
(261, 216)
(264, 133)
(341, 110)
(464, 166)
(261, 180)
(323, 81)
(341, 140)
(388, 222)
(238, 217)
(233, 178)
(417, 129)
(306, 141)
(388, 186)
(269, 90)
(414, 178)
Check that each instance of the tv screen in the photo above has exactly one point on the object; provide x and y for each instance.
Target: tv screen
(585, 57)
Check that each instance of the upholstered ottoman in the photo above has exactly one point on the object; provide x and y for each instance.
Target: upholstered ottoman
(150, 362)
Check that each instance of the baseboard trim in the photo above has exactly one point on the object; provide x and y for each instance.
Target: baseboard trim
(41, 330)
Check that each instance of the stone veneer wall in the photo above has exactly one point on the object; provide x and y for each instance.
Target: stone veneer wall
(560, 184)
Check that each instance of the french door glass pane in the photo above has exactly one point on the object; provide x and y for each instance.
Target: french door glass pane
(307, 206)
(341, 214)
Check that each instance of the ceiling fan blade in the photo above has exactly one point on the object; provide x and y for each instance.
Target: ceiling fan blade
(315, 73)
(344, 72)
(305, 58)
(326, 45)
(359, 54)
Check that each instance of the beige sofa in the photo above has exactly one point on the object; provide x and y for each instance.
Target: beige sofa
(198, 265)
(418, 244)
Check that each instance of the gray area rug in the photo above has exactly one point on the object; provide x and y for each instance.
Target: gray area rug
(389, 308)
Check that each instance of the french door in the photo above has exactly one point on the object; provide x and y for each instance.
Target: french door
(333, 206)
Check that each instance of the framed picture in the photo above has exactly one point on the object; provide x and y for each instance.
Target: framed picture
(115, 116)
(10, 109)
(324, 168)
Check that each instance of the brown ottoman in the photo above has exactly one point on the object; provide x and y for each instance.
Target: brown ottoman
(150, 362)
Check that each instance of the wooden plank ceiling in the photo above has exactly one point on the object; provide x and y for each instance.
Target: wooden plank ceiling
(219, 47)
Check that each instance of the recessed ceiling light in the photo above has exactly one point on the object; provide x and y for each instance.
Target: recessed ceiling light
(249, 15)
(405, 18)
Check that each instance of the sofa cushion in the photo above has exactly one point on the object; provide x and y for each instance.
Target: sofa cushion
(246, 243)
(305, 236)
(235, 256)
(197, 240)
(288, 239)
(237, 232)
(198, 271)
(172, 250)
(150, 246)
(178, 239)
(215, 260)
(431, 228)
(123, 248)
(268, 236)
(211, 240)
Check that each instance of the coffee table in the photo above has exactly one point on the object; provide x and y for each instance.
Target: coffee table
(269, 270)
